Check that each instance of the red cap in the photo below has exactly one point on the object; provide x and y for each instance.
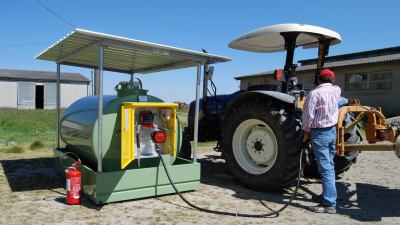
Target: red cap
(327, 73)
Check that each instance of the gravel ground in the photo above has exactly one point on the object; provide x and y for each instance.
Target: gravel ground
(32, 193)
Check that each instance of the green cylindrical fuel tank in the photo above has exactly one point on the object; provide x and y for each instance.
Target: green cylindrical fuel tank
(80, 133)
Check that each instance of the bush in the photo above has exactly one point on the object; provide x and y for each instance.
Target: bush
(15, 149)
(36, 145)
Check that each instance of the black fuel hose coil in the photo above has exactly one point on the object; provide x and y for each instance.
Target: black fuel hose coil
(273, 213)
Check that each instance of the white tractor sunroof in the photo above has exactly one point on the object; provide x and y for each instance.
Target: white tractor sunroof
(270, 39)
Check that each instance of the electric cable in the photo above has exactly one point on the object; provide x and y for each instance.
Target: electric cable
(55, 14)
(273, 213)
(24, 44)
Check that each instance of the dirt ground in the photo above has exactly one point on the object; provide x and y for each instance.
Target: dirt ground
(32, 193)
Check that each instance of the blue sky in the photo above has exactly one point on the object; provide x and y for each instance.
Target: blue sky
(364, 25)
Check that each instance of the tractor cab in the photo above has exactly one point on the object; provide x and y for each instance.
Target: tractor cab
(286, 37)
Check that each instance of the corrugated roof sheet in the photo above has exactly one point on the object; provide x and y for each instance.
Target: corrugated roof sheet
(352, 62)
(355, 55)
(81, 48)
(40, 76)
(375, 59)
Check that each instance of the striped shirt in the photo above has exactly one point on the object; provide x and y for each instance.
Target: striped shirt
(321, 107)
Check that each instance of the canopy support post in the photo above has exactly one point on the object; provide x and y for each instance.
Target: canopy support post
(100, 112)
(96, 82)
(196, 114)
(58, 99)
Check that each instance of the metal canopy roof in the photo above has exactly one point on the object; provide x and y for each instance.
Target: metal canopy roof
(81, 48)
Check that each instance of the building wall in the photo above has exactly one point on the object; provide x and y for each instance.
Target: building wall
(21, 95)
(8, 94)
(388, 99)
(72, 92)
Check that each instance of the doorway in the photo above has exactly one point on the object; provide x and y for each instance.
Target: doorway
(39, 96)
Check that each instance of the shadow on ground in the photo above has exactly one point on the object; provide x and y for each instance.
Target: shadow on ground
(372, 202)
(31, 174)
(38, 174)
(365, 203)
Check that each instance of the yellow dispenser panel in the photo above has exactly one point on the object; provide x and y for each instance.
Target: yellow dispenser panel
(135, 142)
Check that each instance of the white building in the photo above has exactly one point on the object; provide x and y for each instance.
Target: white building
(25, 89)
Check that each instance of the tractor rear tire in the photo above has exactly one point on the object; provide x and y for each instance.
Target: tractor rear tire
(342, 163)
(261, 145)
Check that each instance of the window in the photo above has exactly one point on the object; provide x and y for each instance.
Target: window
(380, 80)
(369, 81)
(356, 81)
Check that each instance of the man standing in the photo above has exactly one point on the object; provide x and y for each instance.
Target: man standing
(320, 115)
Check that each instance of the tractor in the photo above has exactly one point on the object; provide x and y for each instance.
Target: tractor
(259, 130)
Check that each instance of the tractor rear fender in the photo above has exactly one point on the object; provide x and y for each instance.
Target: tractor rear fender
(250, 96)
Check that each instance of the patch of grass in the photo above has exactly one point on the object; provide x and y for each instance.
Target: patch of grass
(36, 145)
(14, 149)
(27, 126)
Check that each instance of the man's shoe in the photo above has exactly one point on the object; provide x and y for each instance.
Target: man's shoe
(323, 209)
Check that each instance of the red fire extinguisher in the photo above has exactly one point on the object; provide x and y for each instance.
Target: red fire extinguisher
(73, 184)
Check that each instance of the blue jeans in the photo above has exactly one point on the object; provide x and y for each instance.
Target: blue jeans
(323, 141)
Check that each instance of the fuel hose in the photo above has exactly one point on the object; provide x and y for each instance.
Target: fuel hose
(274, 213)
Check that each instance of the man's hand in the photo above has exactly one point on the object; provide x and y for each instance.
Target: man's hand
(306, 136)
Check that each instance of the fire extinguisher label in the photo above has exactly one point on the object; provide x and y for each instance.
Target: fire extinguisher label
(75, 184)
(68, 188)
